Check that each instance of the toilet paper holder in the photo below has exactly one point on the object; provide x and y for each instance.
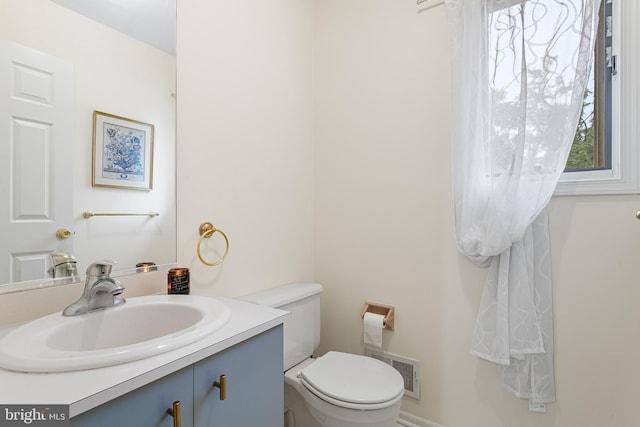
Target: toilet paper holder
(388, 311)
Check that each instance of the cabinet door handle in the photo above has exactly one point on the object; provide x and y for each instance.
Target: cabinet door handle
(175, 413)
(222, 385)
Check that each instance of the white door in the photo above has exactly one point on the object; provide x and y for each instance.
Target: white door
(36, 151)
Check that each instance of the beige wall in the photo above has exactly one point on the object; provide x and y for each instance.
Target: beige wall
(384, 231)
(245, 126)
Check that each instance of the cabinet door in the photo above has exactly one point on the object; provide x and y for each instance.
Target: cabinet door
(146, 406)
(255, 387)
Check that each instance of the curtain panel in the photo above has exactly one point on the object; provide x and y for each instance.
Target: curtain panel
(519, 73)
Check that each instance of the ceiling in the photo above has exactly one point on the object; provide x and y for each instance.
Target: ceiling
(150, 21)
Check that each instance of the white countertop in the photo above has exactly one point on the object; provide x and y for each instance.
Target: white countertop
(85, 390)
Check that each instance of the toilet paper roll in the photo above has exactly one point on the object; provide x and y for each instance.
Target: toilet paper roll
(373, 326)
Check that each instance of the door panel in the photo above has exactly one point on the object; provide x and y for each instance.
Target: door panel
(36, 148)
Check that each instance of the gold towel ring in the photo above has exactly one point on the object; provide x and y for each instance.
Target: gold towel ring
(207, 230)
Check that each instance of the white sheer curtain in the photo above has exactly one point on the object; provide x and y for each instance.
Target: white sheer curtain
(519, 72)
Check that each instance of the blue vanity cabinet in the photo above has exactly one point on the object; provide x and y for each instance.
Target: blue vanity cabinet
(146, 406)
(254, 384)
(254, 392)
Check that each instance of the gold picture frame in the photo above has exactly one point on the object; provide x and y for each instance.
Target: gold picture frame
(122, 152)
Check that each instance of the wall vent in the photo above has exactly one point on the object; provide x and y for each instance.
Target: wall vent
(408, 368)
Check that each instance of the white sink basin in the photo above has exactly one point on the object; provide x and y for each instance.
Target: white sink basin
(140, 328)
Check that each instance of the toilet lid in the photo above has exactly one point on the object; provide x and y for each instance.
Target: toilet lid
(353, 378)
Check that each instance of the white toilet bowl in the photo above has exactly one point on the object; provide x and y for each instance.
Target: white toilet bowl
(342, 390)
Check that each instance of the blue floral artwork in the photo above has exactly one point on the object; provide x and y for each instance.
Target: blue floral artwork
(123, 154)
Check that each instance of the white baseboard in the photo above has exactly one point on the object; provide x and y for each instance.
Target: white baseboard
(408, 420)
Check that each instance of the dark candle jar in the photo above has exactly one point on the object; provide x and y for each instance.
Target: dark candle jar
(178, 281)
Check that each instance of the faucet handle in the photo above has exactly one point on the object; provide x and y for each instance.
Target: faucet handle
(100, 268)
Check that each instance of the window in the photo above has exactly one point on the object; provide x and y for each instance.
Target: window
(604, 157)
(591, 148)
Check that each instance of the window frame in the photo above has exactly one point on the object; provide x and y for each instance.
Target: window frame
(623, 177)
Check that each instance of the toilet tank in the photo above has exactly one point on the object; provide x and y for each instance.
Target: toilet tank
(302, 329)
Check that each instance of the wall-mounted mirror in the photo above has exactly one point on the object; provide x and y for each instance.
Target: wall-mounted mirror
(109, 61)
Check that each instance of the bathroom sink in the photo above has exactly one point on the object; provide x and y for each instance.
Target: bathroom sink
(143, 327)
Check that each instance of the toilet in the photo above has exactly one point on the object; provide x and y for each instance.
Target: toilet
(337, 389)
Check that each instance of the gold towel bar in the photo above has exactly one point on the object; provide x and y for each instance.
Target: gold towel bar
(89, 214)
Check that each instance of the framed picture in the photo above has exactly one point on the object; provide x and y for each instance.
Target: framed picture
(122, 152)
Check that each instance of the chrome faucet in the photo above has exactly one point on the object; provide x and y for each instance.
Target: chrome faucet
(63, 264)
(100, 291)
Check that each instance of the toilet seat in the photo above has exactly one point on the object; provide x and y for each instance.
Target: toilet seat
(353, 381)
